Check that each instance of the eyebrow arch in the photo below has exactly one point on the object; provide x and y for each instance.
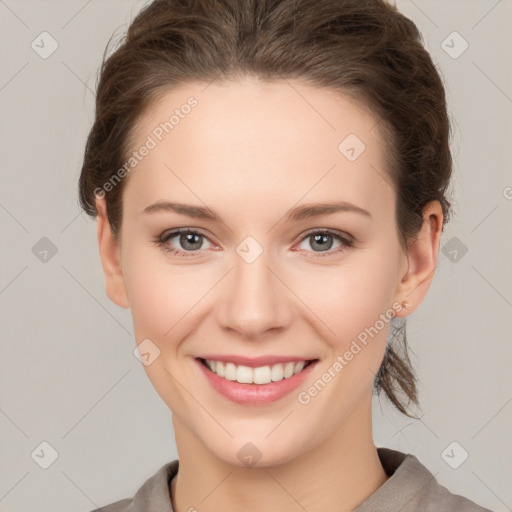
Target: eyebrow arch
(296, 214)
(317, 209)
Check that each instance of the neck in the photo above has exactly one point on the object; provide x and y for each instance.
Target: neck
(338, 474)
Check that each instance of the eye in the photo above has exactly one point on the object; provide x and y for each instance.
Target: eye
(190, 240)
(322, 239)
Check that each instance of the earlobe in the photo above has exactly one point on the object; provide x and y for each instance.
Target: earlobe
(422, 259)
(110, 257)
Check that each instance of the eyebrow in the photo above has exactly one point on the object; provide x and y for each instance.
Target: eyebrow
(299, 213)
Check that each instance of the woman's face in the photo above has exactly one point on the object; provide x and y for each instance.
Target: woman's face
(256, 281)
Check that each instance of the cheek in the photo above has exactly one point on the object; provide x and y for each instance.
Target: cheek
(352, 296)
(159, 295)
(162, 300)
(340, 300)
(353, 303)
(167, 301)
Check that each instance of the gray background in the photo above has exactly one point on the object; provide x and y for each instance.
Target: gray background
(68, 375)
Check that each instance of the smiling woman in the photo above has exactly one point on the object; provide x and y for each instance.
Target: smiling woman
(270, 241)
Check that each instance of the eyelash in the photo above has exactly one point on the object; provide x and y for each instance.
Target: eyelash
(162, 239)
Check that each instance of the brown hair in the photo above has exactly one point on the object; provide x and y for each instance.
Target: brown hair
(363, 48)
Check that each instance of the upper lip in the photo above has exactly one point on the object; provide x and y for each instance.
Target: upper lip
(255, 361)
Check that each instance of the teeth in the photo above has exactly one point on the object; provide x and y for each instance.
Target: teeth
(259, 375)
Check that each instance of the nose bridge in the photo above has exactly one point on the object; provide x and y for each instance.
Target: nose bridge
(254, 300)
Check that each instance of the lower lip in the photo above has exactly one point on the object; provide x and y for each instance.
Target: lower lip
(255, 394)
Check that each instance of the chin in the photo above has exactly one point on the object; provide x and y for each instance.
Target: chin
(264, 453)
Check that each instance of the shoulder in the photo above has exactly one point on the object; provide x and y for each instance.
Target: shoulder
(438, 498)
(118, 506)
(152, 496)
(411, 487)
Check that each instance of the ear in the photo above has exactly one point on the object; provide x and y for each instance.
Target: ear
(421, 258)
(110, 257)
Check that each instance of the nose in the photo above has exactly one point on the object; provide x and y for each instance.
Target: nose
(254, 302)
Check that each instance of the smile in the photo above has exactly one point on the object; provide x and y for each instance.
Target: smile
(255, 385)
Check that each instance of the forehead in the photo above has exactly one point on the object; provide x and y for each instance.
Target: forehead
(249, 137)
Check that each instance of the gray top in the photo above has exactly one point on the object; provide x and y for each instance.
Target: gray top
(411, 487)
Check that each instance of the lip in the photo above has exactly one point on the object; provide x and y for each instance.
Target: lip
(255, 394)
(253, 362)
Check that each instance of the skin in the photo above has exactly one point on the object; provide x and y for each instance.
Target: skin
(253, 151)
